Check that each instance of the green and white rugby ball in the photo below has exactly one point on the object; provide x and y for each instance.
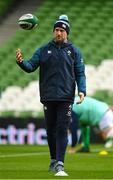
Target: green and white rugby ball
(28, 21)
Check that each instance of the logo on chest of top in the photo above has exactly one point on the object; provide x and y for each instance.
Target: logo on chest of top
(49, 52)
(69, 52)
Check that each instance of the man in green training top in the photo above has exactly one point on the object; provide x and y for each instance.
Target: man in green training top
(92, 112)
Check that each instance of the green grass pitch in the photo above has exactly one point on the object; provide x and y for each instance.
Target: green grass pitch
(32, 161)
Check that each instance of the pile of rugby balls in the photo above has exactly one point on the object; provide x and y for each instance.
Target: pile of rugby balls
(28, 21)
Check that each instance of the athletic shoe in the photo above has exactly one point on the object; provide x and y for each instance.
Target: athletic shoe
(83, 150)
(52, 166)
(60, 170)
(59, 167)
(61, 173)
(108, 144)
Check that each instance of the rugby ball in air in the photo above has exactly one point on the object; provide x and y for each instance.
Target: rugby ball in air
(28, 21)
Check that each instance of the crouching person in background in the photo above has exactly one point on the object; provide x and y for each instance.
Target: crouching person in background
(95, 113)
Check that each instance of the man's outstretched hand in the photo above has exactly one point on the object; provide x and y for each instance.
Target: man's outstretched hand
(19, 57)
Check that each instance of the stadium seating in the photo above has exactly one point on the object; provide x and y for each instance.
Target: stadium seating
(4, 5)
(16, 98)
(91, 30)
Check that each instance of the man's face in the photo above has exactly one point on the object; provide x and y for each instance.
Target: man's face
(60, 34)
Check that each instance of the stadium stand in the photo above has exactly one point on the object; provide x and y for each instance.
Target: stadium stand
(91, 30)
(8, 21)
(4, 5)
(18, 98)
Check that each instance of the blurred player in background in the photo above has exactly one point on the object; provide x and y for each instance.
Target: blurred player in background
(91, 112)
(61, 67)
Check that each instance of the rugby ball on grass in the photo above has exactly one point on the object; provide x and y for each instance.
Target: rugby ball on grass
(28, 21)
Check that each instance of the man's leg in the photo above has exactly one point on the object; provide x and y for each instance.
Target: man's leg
(63, 121)
(85, 131)
(85, 134)
(73, 130)
(50, 119)
(107, 135)
(106, 128)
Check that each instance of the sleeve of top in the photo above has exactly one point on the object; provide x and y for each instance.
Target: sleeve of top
(80, 72)
(32, 64)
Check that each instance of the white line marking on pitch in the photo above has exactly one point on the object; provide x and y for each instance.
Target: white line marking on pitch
(53, 179)
(23, 154)
(101, 149)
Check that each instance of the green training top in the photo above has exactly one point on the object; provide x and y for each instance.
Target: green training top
(90, 111)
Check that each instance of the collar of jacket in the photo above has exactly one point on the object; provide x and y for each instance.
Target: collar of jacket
(61, 45)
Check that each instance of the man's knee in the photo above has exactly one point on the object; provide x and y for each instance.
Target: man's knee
(107, 133)
(62, 129)
(110, 133)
